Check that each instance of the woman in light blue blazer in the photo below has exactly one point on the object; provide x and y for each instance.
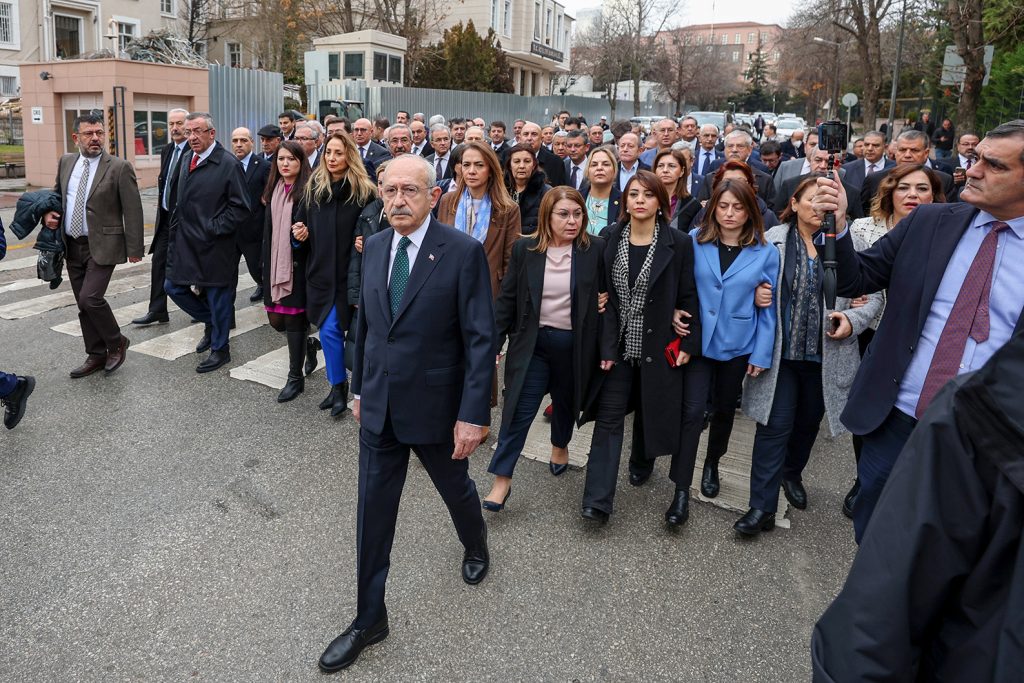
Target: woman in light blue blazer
(732, 259)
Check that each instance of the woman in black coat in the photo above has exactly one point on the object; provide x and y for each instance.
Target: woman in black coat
(284, 259)
(548, 309)
(337, 192)
(527, 185)
(650, 277)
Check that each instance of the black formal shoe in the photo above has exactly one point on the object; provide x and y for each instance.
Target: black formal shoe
(92, 364)
(312, 346)
(754, 522)
(151, 318)
(595, 515)
(257, 295)
(476, 561)
(346, 648)
(328, 402)
(115, 358)
(679, 511)
(558, 469)
(215, 360)
(639, 478)
(496, 507)
(796, 494)
(15, 402)
(206, 341)
(340, 405)
(851, 499)
(709, 484)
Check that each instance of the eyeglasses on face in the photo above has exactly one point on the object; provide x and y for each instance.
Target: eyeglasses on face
(576, 215)
(407, 191)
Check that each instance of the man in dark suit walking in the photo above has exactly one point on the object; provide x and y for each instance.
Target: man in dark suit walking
(552, 166)
(421, 380)
(441, 158)
(170, 163)
(210, 205)
(874, 160)
(911, 148)
(101, 224)
(249, 238)
(954, 274)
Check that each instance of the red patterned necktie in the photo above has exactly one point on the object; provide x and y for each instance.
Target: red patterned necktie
(969, 318)
(192, 164)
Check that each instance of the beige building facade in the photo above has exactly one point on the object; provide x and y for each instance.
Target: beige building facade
(734, 44)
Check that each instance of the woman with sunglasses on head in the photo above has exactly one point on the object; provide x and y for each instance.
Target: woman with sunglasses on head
(733, 259)
(649, 273)
(526, 184)
(814, 361)
(335, 196)
(548, 309)
(601, 188)
(284, 259)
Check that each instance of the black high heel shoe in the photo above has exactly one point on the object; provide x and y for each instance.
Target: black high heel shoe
(491, 506)
(557, 469)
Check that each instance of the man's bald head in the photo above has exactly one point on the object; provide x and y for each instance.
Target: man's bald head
(241, 142)
(530, 135)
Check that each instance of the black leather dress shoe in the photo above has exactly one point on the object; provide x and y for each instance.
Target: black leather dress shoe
(679, 511)
(754, 522)
(257, 295)
(639, 478)
(346, 648)
(594, 515)
(204, 343)
(150, 318)
(709, 484)
(215, 360)
(476, 561)
(15, 402)
(796, 494)
(851, 499)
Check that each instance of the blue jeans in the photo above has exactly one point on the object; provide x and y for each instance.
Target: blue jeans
(215, 309)
(877, 457)
(550, 371)
(332, 338)
(7, 384)
(783, 446)
(943, 153)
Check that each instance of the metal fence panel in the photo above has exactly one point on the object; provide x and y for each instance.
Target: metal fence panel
(243, 97)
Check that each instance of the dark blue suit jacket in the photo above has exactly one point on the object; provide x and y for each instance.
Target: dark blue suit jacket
(433, 364)
(696, 160)
(909, 261)
(855, 171)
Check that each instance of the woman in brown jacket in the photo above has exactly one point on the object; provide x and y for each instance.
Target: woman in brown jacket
(480, 206)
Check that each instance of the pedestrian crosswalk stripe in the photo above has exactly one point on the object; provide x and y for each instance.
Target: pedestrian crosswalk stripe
(176, 344)
(29, 283)
(51, 302)
(270, 369)
(30, 261)
(124, 316)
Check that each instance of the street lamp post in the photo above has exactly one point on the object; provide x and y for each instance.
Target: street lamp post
(889, 132)
(835, 76)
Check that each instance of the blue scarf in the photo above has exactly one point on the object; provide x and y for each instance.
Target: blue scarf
(483, 216)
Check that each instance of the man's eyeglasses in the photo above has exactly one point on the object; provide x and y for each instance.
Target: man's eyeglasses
(408, 191)
(304, 139)
(196, 132)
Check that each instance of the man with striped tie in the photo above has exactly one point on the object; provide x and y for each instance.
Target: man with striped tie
(421, 379)
(101, 224)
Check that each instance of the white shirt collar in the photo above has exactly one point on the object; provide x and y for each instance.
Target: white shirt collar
(631, 169)
(879, 165)
(246, 160)
(416, 236)
(206, 153)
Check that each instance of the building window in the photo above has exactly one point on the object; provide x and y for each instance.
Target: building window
(380, 66)
(333, 66)
(764, 36)
(9, 37)
(167, 7)
(737, 39)
(725, 39)
(353, 65)
(494, 15)
(233, 55)
(8, 86)
(507, 26)
(395, 69)
(547, 27)
(68, 36)
(127, 30)
(700, 39)
(776, 56)
(565, 45)
(558, 32)
(751, 37)
(735, 55)
(536, 21)
(150, 132)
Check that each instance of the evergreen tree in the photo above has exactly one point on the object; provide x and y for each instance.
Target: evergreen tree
(756, 97)
(465, 60)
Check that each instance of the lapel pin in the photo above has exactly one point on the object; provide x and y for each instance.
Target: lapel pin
(431, 257)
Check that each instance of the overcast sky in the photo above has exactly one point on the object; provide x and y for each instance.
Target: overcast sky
(700, 11)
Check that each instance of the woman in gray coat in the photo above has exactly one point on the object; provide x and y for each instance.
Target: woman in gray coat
(814, 362)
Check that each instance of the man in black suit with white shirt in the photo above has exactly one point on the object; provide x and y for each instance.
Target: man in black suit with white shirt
(249, 236)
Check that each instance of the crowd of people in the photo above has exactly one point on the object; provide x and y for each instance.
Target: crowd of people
(673, 275)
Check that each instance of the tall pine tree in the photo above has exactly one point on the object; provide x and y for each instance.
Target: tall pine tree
(465, 60)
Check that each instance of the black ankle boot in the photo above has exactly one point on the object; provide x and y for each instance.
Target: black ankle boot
(679, 511)
(328, 402)
(296, 355)
(340, 404)
(709, 484)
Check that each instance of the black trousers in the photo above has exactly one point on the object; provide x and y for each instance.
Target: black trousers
(863, 340)
(722, 380)
(157, 294)
(383, 465)
(619, 393)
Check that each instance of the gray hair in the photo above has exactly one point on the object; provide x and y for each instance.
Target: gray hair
(317, 128)
(915, 135)
(176, 110)
(307, 124)
(398, 126)
(561, 133)
(428, 170)
(740, 133)
(438, 127)
(435, 120)
(874, 134)
(710, 125)
(205, 116)
(1010, 129)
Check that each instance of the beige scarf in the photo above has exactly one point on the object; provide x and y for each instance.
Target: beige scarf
(280, 243)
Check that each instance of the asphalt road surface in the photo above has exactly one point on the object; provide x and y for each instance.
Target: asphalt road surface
(161, 525)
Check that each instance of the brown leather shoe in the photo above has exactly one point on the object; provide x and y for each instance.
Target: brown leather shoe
(116, 358)
(92, 364)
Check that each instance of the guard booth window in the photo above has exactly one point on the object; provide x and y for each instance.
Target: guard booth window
(353, 65)
(380, 66)
(334, 66)
(395, 69)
